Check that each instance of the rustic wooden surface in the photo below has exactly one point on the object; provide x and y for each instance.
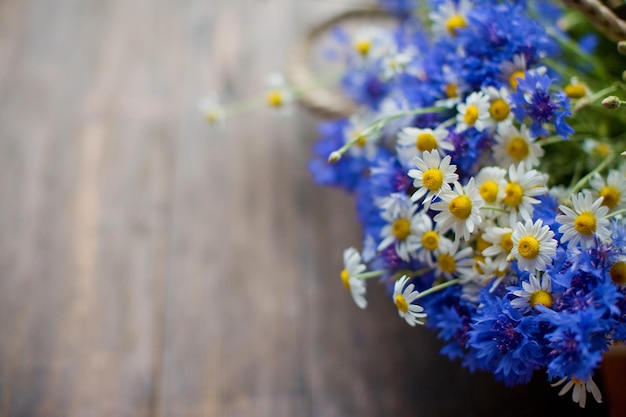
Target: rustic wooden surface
(151, 266)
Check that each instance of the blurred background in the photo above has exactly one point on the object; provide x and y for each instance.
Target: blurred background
(153, 266)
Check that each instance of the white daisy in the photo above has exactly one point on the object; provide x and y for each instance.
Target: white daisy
(533, 293)
(395, 63)
(403, 299)
(402, 226)
(499, 106)
(501, 241)
(432, 176)
(519, 192)
(515, 146)
(576, 89)
(491, 183)
(371, 43)
(210, 108)
(450, 17)
(413, 141)
(613, 190)
(453, 262)
(585, 221)
(474, 112)
(533, 245)
(352, 268)
(581, 388)
(365, 146)
(454, 87)
(459, 210)
(428, 239)
(278, 93)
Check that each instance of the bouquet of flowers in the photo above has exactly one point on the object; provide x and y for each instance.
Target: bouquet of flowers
(485, 159)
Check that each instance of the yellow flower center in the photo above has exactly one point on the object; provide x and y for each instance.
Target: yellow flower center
(575, 90)
(401, 303)
(360, 140)
(518, 148)
(528, 247)
(432, 179)
(507, 242)
(481, 244)
(345, 278)
(542, 297)
(430, 240)
(489, 191)
(585, 223)
(275, 98)
(611, 196)
(513, 194)
(401, 228)
(212, 116)
(447, 263)
(603, 149)
(363, 47)
(426, 142)
(454, 23)
(478, 259)
(460, 207)
(618, 272)
(513, 79)
(451, 90)
(499, 109)
(471, 115)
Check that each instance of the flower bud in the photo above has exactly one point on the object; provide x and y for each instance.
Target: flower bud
(611, 102)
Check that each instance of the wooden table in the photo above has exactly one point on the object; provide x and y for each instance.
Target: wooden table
(151, 266)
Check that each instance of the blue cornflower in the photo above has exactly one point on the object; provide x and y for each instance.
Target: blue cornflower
(534, 99)
(500, 344)
(576, 342)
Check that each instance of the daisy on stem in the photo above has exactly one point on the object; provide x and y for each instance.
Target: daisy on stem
(581, 388)
(584, 221)
(459, 210)
(473, 113)
(432, 176)
(403, 299)
(533, 245)
(533, 293)
(352, 268)
(413, 141)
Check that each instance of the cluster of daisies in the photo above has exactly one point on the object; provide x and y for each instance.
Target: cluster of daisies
(490, 191)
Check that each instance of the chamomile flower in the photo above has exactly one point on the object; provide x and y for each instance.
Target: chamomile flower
(428, 239)
(491, 183)
(352, 268)
(450, 17)
(452, 261)
(210, 108)
(453, 86)
(395, 63)
(474, 112)
(401, 229)
(413, 141)
(501, 244)
(613, 190)
(534, 245)
(584, 221)
(365, 146)
(581, 388)
(459, 210)
(278, 93)
(371, 43)
(576, 89)
(515, 146)
(533, 293)
(432, 176)
(511, 72)
(499, 106)
(403, 299)
(520, 191)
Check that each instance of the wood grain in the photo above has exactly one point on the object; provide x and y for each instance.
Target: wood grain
(152, 266)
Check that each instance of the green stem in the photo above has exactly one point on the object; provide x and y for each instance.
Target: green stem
(575, 49)
(581, 183)
(378, 124)
(438, 288)
(371, 274)
(616, 213)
